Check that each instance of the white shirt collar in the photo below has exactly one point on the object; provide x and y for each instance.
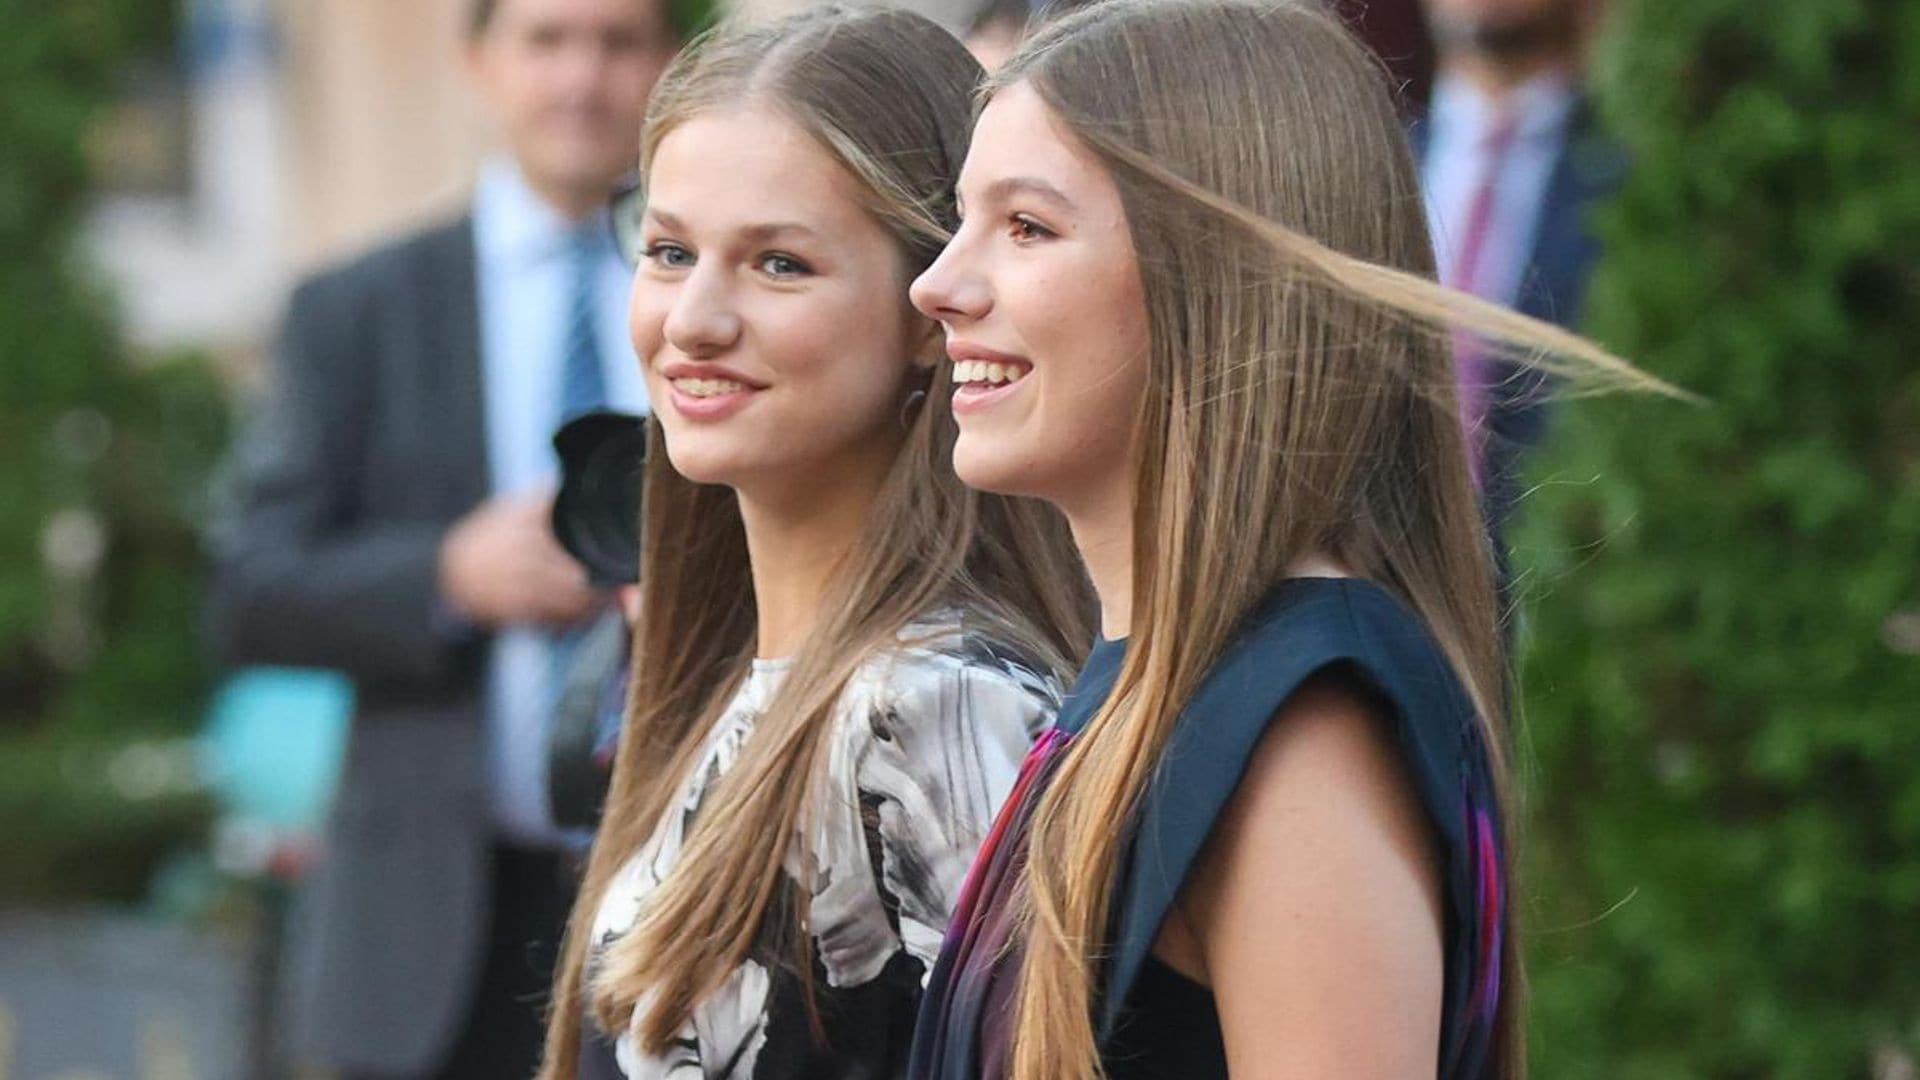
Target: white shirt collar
(1540, 106)
(513, 222)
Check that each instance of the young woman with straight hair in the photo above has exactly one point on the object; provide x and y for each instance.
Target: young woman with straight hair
(842, 654)
(1191, 303)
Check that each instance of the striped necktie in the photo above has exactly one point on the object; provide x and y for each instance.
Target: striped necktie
(583, 389)
(583, 385)
(1473, 365)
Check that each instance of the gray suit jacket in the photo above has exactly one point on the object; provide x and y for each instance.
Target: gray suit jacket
(371, 444)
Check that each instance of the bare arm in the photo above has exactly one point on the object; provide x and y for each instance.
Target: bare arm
(1315, 911)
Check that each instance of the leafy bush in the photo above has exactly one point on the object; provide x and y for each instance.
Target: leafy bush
(1722, 668)
(103, 465)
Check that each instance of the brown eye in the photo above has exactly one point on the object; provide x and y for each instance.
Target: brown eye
(1023, 228)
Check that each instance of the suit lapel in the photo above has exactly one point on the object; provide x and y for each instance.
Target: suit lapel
(1587, 170)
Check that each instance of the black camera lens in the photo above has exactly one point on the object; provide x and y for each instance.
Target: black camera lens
(596, 516)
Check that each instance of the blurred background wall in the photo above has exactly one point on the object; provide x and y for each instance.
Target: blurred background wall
(292, 132)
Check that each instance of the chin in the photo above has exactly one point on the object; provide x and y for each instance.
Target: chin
(585, 163)
(988, 468)
(703, 464)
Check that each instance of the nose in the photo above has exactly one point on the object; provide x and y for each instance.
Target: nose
(952, 290)
(584, 69)
(702, 321)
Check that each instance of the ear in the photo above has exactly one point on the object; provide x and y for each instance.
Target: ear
(928, 344)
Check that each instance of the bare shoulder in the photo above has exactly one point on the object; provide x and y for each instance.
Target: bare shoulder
(1318, 894)
(1332, 741)
(1327, 776)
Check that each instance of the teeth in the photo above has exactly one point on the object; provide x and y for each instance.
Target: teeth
(980, 371)
(703, 388)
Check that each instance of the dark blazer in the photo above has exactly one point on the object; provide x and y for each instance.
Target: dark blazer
(371, 443)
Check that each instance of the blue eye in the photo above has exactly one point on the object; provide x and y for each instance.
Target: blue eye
(784, 266)
(669, 256)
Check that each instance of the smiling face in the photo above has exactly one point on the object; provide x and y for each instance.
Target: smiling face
(1040, 295)
(769, 310)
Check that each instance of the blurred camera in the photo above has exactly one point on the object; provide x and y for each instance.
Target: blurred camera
(596, 516)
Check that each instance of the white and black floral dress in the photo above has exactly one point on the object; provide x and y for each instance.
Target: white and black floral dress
(927, 740)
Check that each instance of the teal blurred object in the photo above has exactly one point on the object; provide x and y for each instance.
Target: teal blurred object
(273, 744)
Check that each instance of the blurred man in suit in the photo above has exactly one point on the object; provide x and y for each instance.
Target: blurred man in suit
(1511, 162)
(392, 524)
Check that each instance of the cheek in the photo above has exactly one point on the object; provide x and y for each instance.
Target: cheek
(839, 349)
(542, 81)
(619, 88)
(1091, 349)
(647, 306)
(647, 310)
(1084, 326)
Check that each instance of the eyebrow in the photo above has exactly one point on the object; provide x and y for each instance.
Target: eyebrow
(758, 233)
(1030, 185)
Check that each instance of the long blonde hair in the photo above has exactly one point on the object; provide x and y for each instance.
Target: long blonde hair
(888, 94)
(1299, 399)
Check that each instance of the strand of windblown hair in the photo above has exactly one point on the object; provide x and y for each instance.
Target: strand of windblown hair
(1432, 305)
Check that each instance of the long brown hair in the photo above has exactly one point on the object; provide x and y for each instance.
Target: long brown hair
(1299, 400)
(888, 94)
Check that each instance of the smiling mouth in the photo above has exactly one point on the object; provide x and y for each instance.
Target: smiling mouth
(707, 388)
(983, 374)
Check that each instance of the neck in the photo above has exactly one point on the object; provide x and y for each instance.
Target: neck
(797, 541)
(572, 202)
(1103, 531)
(1497, 79)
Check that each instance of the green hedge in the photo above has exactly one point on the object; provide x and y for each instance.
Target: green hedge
(120, 449)
(1721, 669)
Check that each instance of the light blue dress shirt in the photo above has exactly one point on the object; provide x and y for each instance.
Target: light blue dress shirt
(1457, 162)
(526, 282)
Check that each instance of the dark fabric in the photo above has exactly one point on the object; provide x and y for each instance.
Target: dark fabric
(596, 1055)
(1150, 1022)
(369, 444)
(1178, 1040)
(585, 726)
(501, 1036)
(505, 1028)
(868, 1029)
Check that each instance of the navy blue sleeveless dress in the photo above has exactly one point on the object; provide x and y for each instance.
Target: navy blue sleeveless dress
(1151, 1021)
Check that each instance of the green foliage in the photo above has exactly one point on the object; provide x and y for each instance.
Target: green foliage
(1722, 668)
(102, 469)
(692, 16)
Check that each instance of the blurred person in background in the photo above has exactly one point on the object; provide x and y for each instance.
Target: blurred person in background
(392, 524)
(1511, 160)
(997, 28)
